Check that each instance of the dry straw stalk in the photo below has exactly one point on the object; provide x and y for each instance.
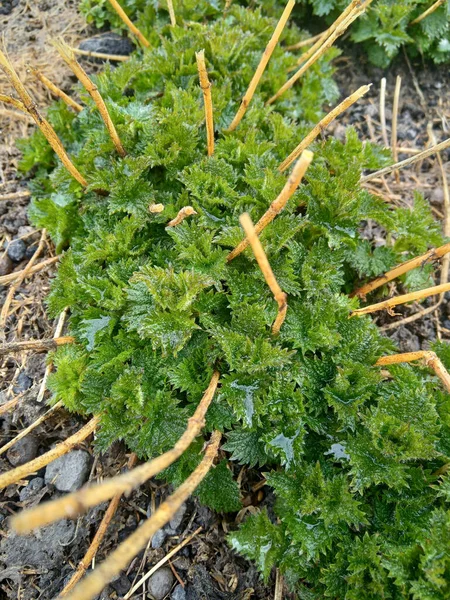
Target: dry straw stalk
(77, 502)
(205, 84)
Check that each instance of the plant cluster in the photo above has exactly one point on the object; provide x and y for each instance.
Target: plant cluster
(383, 31)
(351, 455)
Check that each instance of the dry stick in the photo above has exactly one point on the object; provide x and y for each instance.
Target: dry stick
(54, 89)
(354, 5)
(68, 57)
(413, 263)
(431, 360)
(36, 345)
(162, 562)
(397, 300)
(83, 565)
(320, 52)
(40, 121)
(103, 55)
(14, 195)
(278, 586)
(42, 461)
(411, 318)
(383, 112)
(48, 368)
(307, 42)
(30, 428)
(5, 279)
(122, 14)
(317, 130)
(278, 205)
(9, 405)
(398, 84)
(13, 102)
(123, 554)
(12, 290)
(186, 211)
(77, 502)
(207, 99)
(430, 10)
(262, 65)
(173, 20)
(261, 258)
(409, 161)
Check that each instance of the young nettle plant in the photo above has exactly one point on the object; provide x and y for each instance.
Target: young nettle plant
(167, 300)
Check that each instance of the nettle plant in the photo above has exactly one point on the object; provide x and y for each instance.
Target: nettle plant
(162, 309)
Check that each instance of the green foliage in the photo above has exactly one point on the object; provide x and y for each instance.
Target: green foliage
(353, 458)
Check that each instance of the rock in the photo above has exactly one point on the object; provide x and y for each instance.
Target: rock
(6, 265)
(159, 538)
(35, 485)
(16, 250)
(437, 195)
(69, 472)
(121, 585)
(108, 43)
(160, 583)
(31, 250)
(23, 450)
(43, 549)
(178, 593)
(178, 517)
(23, 383)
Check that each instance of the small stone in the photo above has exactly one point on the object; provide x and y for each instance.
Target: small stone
(437, 195)
(121, 585)
(32, 488)
(69, 472)
(6, 265)
(178, 593)
(108, 43)
(23, 383)
(159, 538)
(16, 250)
(446, 324)
(178, 517)
(160, 583)
(23, 451)
(31, 250)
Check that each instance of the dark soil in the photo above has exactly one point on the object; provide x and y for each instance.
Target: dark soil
(39, 565)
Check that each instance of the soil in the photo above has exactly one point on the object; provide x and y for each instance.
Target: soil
(38, 566)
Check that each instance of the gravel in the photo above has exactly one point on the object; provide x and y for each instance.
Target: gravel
(23, 451)
(6, 265)
(69, 472)
(16, 250)
(35, 485)
(23, 383)
(178, 593)
(108, 43)
(160, 583)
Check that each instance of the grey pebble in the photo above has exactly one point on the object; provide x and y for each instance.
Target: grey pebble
(23, 383)
(31, 250)
(108, 43)
(178, 517)
(23, 451)
(69, 472)
(160, 583)
(16, 250)
(159, 538)
(35, 485)
(178, 593)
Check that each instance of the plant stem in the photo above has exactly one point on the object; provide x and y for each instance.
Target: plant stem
(409, 161)
(278, 205)
(42, 461)
(54, 89)
(92, 54)
(262, 65)
(40, 121)
(261, 258)
(36, 345)
(125, 552)
(398, 85)
(318, 129)
(173, 19)
(13, 102)
(431, 360)
(186, 211)
(409, 265)
(427, 12)
(397, 300)
(77, 502)
(205, 84)
(5, 279)
(68, 57)
(122, 14)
